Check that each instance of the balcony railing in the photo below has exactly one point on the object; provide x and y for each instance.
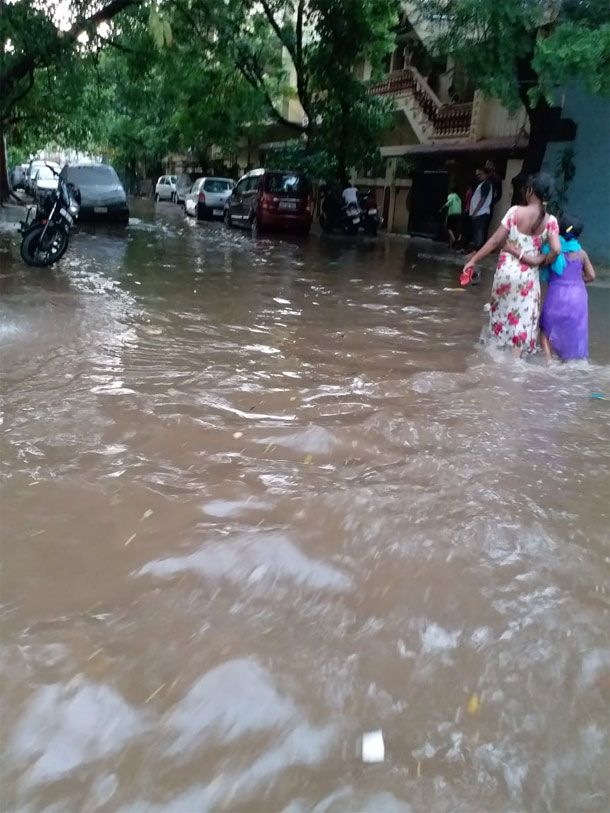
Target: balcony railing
(447, 120)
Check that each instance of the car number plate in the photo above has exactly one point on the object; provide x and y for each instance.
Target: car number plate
(288, 204)
(356, 220)
(216, 211)
(100, 210)
(372, 211)
(67, 215)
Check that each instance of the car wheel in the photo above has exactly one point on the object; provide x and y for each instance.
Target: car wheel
(227, 219)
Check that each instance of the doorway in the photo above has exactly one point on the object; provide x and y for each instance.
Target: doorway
(428, 194)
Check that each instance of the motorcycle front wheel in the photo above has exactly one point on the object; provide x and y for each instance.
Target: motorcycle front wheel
(41, 252)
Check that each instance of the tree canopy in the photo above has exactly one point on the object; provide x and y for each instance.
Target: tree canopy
(519, 50)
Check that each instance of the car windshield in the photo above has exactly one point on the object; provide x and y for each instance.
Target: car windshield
(102, 175)
(217, 185)
(287, 183)
(44, 174)
(173, 178)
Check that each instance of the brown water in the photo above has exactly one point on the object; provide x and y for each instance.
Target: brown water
(263, 497)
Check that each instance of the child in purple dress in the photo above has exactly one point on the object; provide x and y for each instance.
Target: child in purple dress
(564, 321)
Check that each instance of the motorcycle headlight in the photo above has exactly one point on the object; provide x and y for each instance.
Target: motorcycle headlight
(74, 208)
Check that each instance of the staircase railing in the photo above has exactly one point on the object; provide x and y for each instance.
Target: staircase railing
(447, 120)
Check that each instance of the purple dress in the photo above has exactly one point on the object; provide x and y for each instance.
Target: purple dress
(565, 318)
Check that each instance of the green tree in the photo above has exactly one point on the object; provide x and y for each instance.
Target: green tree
(306, 50)
(39, 40)
(518, 50)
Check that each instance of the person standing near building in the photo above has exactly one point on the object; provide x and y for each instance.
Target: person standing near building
(480, 208)
(453, 205)
(496, 184)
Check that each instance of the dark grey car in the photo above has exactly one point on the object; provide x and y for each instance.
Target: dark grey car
(101, 191)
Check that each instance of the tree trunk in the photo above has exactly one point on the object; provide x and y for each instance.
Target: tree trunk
(5, 187)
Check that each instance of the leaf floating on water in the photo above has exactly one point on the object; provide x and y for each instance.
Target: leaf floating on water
(308, 458)
(148, 513)
(474, 704)
(155, 693)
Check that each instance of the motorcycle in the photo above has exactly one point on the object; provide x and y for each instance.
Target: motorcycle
(45, 237)
(336, 214)
(371, 219)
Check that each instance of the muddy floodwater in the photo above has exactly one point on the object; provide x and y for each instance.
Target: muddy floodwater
(262, 497)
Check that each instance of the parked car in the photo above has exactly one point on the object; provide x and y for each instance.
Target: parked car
(102, 193)
(207, 197)
(33, 168)
(19, 176)
(183, 187)
(271, 199)
(44, 181)
(165, 188)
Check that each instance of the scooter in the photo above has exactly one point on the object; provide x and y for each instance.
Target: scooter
(350, 218)
(370, 213)
(46, 235)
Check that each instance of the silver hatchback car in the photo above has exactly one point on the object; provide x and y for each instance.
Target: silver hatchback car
(207, 197)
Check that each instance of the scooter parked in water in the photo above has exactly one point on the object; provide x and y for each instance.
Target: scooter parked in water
(370, 213)
(45, 237)
(349, 218)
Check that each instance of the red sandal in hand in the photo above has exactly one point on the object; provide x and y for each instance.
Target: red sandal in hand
(466, 275)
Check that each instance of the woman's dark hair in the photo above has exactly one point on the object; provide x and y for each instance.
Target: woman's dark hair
(543, 187)
(570, 226)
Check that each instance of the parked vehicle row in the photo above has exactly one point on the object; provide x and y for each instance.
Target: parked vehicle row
(270, 200)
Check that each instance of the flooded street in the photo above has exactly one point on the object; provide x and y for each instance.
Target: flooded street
(262, 497)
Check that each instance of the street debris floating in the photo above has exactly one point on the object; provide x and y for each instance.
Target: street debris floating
(373, 749)
(474, 704)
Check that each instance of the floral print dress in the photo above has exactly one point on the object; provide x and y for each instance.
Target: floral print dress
(515, 296)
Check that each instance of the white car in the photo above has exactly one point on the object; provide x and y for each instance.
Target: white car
(207, 197)
(165, 188)
(33, 169)
(44, 181)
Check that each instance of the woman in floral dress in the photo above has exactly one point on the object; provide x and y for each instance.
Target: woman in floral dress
(515, 297)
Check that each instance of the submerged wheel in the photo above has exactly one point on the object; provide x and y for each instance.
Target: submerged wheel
(41, 254)
(226, 218)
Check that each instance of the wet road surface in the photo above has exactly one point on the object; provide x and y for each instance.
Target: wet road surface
(261, 497)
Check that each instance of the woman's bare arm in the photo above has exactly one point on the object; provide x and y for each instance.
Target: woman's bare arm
(497, 239)
(589, 274)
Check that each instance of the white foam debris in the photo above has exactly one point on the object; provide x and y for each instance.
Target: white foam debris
(373, 748)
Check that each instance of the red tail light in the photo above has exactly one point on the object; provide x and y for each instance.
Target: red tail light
(266, 201)
(201, 197)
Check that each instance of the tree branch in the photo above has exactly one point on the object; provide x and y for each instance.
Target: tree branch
(255, 80)
(30, 61)
(280, 34)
